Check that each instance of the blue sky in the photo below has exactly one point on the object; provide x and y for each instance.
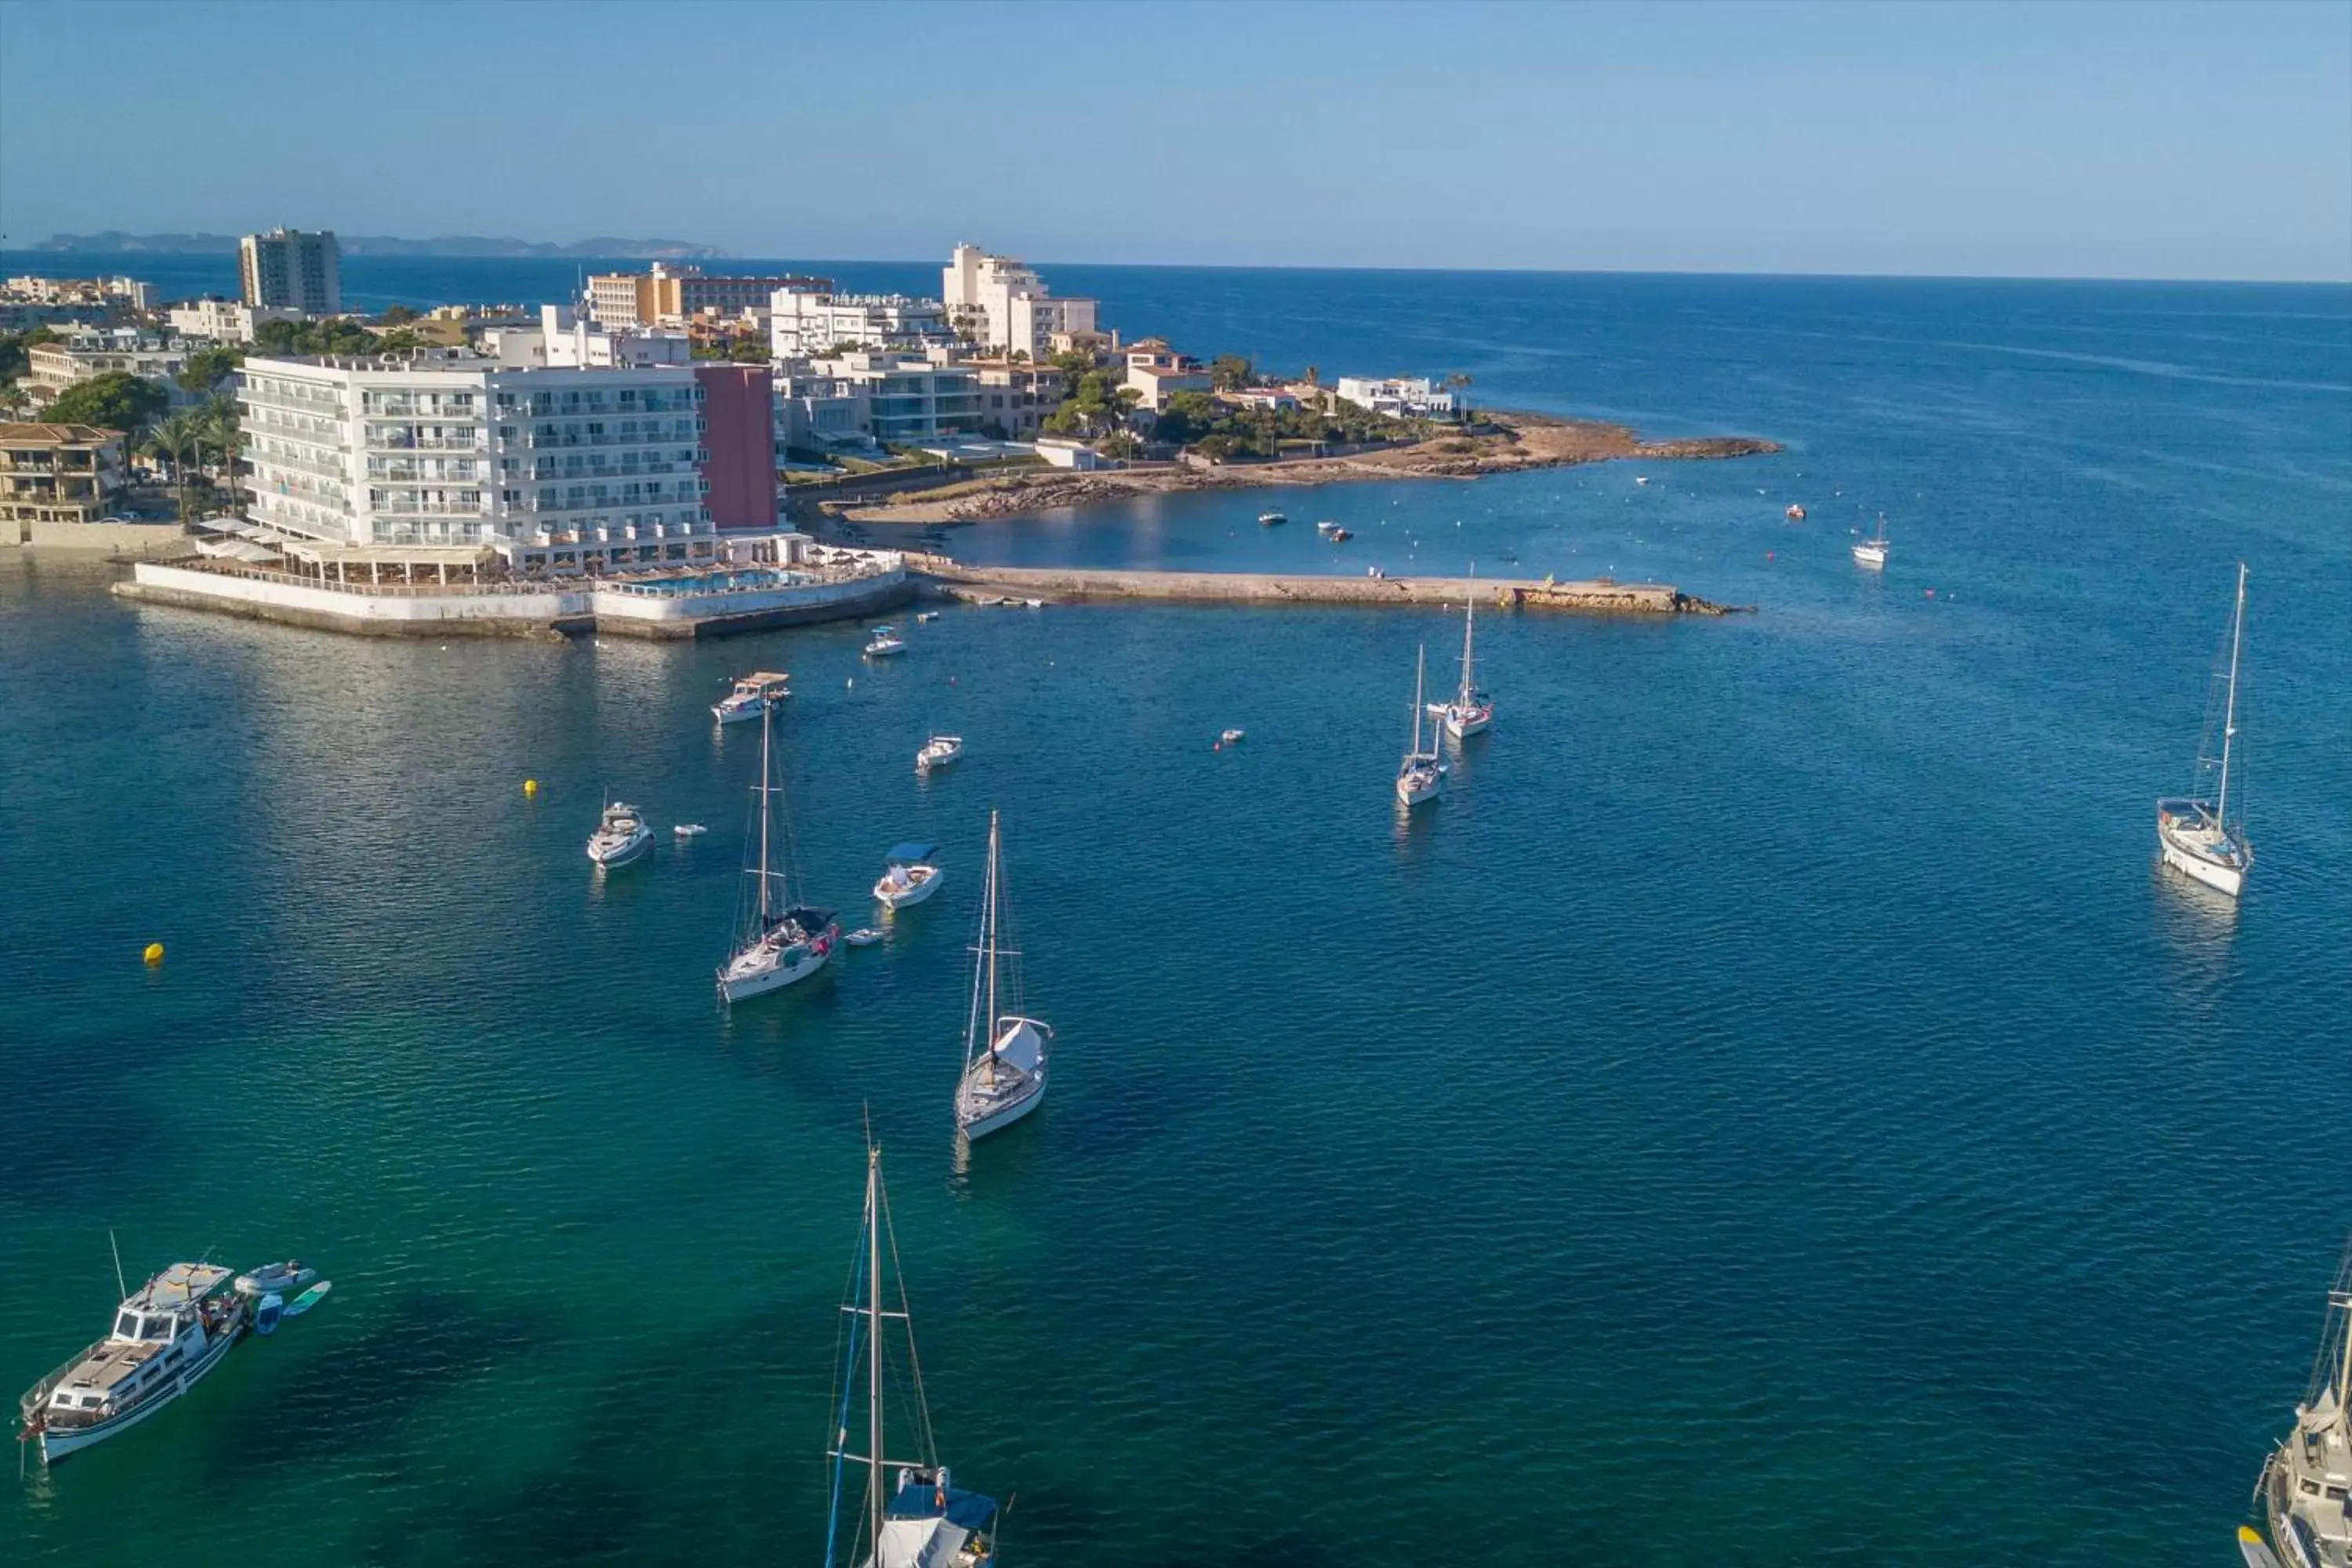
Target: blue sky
(2110, 140)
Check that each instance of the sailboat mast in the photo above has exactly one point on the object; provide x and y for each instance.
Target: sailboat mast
(874, 1501)
(1420, 662)
(2230, 715)
(988, 939)
(1469, 622)
(767, 733)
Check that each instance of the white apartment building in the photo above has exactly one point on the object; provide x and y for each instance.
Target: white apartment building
(803, 324)
(565, 340)
(226, 320)
(289, 268)
(52, 367)
(600, 467)
(1003, 304)
(881, 397)
(102, 293)
(1401, 397)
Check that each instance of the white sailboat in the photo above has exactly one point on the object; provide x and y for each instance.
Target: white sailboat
(1470, 710)
(938, 751)
(1003, 1051)
(1421, 775)
(2195, 834)
(1870, 552)
(2303, 1484)
(780, 941)
(913, 1516)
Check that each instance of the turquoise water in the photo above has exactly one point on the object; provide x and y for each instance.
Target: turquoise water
(1772, 1112)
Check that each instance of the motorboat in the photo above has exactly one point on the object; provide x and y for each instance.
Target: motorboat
(1795, 514)
(1232, 737)
(909, 876)
(751, 697)
(884, 642)
(1327, 527)
(1641, 479)
(1470, 710)
(939, 752)
(864, 936)
(621, 837)
(689, 830)
(2196, 835)
(912, 1514)
(927, 617)
(275, 1279)
(2304, 1483)
(1271, 518)
(1872, 551)
(778, 941)
(1340, 535)
(167, 1334)
(1421, 775)
(1004, 1050)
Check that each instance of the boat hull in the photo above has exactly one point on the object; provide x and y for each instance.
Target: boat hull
(744, 715)
(1863, 555)
(621, 855)
(759, 983)
(902, 898)
(57, 1443)
(2183, 856)
(1001, 1117)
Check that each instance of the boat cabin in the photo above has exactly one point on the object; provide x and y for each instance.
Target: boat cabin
(157, 1334)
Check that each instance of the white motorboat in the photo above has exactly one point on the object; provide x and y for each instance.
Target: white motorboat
(751, 697)
(621, 837)
(1872, 551)
(1004, 1050)
(1794, 514)
(1271, 519)
(2304, 1483)
(778, 942)
(925, 617)
(938, 752)
(171, 1331)
(1641, 479)
(910, 878)
(864, 936)
(689, 830)
(1327, 527)
(2196, 835)
(1470, 710)
(1421, 775)
(884, 642)
(912, 1514)
(1232, 737)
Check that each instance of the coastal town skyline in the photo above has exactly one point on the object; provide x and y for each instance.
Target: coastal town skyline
(1921, 140)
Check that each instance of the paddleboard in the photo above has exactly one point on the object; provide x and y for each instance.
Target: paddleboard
(308, 1299)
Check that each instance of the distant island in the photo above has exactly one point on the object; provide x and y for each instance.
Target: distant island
(114, 242)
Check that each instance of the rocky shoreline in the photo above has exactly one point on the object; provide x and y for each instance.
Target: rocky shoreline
(1505, 443)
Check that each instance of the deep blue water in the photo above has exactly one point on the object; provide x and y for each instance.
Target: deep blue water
(1772, 1112)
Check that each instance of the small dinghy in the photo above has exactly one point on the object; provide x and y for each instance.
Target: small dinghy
(275, 1279)
(689, 830)
(864, 936)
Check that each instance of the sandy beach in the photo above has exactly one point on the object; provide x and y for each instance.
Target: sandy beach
(1508, 443)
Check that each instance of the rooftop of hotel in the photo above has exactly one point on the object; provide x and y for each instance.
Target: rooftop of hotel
(41, 435)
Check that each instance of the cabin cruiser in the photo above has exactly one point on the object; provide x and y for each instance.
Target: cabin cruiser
(168, 1334)
(939, 752)
(910, 879)
(751, 696)
(884, 642)
(621, 837)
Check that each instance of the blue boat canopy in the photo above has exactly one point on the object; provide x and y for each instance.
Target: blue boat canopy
(910, 853)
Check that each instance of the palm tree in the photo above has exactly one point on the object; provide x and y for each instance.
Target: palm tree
(174, 440)
(216, 426)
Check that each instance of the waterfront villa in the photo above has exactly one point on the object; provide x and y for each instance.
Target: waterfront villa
(57, 474)
(1159, 372)
(1401, 397)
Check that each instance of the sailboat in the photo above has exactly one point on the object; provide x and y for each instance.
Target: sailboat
(1870, 552)
(779, 941)
(1004, 1052)
(1470, 710)
(2194, 835)
(2304, 1482)
(1420, 775)
(914, 1515)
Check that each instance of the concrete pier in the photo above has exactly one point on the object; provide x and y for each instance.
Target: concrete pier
(1599, 595)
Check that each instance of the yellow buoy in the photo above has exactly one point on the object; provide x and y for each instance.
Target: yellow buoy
(530, 786)
(154, 953)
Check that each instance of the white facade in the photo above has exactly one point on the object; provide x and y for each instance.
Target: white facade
(53, 367)
(289, 268)
(802, 324)
(880, 397)
(128, 292)
(1401, 397)
(1003, 304)
(226, 320)
(454, 448)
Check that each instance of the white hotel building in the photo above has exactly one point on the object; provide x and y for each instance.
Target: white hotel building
(1002, 304)
(548, 466)
(805, 324)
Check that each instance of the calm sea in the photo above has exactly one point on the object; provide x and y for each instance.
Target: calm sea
(1773, 1111)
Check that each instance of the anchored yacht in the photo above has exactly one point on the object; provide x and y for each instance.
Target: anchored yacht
(171, 1331)
(910, 878)
(621, 837)
(1870, 552)
(778, 942)
(1004, 1052)
(1470, 710)
(2306, 1483)
(2195, 834)
(938, 752)
(1420, 775)
(751, 696)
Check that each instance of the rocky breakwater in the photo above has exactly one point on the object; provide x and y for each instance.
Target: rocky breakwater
(1597, 596)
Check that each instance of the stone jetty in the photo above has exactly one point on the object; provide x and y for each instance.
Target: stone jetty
(1599, 595)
